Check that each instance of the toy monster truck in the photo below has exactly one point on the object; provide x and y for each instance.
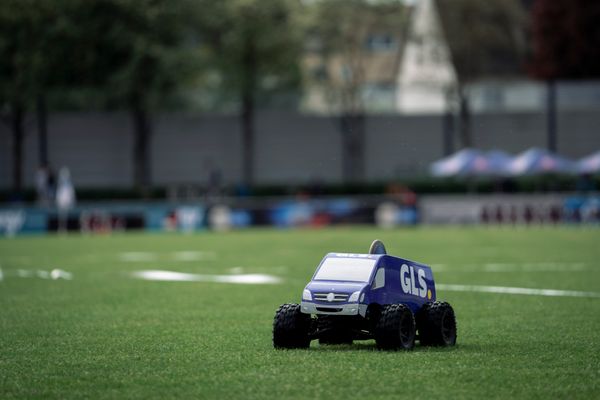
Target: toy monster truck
(367, 296)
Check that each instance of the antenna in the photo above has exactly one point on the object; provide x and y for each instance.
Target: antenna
(377, 247)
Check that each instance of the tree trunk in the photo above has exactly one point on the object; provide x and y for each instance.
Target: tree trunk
(248, 108)
(465, 118)
(448, 133)
(248, 138)
(42, 122)
(18, 130)
(449, 122)
(353, 139)
(141, 146)
(551, 115)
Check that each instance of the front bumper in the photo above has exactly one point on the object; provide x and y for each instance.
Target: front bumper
(308, 307)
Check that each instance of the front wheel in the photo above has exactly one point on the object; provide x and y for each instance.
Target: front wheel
(395, 329)
(437, 324)
(291, 328)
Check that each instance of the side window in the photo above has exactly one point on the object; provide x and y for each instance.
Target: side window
(379, 280)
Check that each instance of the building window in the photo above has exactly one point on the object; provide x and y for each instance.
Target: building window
(380, 42)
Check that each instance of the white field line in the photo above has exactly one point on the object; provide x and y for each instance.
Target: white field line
(137, 256)
(60, 274)
(43, 274)
(516, 290)
(281, 270)
(439, 267)
(171, 276)
(193, 255)
(1, 275)
(184, 256)
(515, 267)
(54, 274)
(24, 273)
(535, 267)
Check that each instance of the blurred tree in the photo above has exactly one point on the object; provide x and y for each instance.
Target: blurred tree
(566, 39)
(256, 46)
(141, 51)
(566, 45)
(486, 40)
(134, 51)
(56, 65)
(19, 58)
(338, 34)
(36, 56)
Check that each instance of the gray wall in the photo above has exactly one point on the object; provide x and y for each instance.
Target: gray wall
(290, 148)
(186, 148)
(293, 148)
(401, 146)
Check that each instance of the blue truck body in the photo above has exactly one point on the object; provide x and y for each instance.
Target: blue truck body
(367, 296)
(403, 282)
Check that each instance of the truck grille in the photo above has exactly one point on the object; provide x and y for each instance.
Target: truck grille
(337, 297)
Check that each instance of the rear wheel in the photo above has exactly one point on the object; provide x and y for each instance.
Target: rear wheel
(437, 324)
(395, 329)
(291, 328)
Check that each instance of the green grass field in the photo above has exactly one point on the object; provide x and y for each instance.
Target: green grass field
(106, 335)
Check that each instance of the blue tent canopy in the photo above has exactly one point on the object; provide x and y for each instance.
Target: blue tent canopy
(539, 161)
(456, 164)
(589, 164)
(471, 162)
(498, 162)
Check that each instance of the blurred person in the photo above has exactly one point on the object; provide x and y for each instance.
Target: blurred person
(170, 222)
(402, 194)
(499, 214)
(514, 215)
(51, 184)
(485, 215)
(42, 185)
(215, 182)
(65, 198)
(528, 215)
(315, 186)
(242, 190)
(555, 214)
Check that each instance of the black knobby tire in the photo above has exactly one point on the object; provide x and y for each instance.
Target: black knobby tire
(436, 323)
(333, 330)
(396, 328)
(291, 328)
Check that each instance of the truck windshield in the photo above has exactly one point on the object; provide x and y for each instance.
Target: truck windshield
(345, 269)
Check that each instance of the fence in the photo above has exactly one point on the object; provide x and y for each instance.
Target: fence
(290, 148)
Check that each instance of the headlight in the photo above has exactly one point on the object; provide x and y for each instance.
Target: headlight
(306, 295)
(354, 296)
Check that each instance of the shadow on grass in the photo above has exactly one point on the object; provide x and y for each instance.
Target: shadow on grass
(371, 346)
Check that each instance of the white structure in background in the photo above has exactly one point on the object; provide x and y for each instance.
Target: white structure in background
(65, 198)
(426, 71)
(65, 193)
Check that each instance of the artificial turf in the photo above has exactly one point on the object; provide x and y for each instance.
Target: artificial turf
(106, 335)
